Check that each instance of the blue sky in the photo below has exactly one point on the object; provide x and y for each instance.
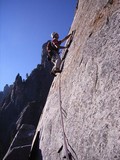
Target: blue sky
(25, 25)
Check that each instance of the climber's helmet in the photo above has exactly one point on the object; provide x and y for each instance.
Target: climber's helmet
(54, 35)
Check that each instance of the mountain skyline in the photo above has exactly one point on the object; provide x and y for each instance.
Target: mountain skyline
(25, 26)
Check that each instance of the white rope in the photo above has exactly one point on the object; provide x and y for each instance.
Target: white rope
(62, 122)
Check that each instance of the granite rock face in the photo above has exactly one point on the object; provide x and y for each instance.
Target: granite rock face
(88, 89)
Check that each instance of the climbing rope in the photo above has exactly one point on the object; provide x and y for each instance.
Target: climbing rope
(68, 155)
(62, 123)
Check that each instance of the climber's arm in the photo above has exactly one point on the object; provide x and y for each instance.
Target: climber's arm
(58, 43)
(64, 39)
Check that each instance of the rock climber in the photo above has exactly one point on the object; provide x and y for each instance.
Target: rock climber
(53, 51)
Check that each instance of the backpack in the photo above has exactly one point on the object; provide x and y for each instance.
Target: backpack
(50, 50)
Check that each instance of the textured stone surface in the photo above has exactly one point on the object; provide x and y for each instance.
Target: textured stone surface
(90, 88)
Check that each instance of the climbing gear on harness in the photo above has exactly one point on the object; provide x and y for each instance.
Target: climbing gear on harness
(51, 49)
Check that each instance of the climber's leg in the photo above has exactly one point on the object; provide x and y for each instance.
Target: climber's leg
(57, 62)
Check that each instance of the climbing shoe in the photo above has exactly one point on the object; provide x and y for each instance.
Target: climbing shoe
(57, 71)
(53, 73)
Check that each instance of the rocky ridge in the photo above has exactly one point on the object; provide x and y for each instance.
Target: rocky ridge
(21, 105)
